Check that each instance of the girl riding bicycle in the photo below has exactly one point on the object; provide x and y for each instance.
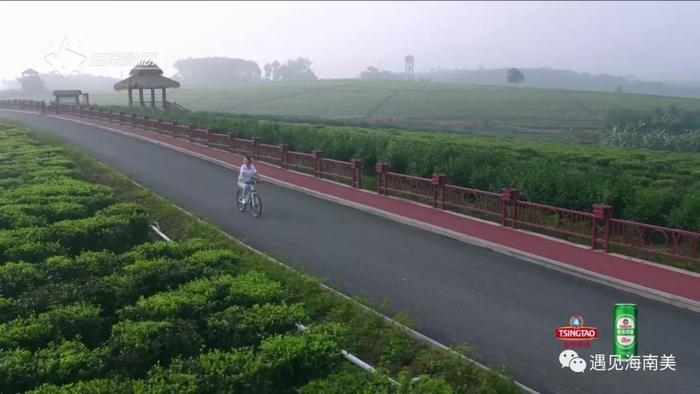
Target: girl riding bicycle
(246, 176)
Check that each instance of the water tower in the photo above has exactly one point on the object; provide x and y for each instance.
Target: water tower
(409, 67)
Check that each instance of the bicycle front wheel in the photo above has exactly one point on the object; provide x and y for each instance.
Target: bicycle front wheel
(239, 197)
(257, 205)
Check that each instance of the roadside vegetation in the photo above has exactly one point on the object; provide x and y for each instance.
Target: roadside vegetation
(90, 302)
(661, 188)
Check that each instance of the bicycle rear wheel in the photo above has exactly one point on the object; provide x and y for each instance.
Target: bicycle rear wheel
(239, 204)
(257, 205)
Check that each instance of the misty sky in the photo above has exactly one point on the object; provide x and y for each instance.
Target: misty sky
(652, 40)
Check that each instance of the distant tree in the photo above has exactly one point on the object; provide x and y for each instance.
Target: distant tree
(274, 70)
(515, 76)
(268, 71)
(214, 71)
(618, 90)
(298, 69)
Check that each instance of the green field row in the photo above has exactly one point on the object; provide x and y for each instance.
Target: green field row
(430, 106)
(90, 303)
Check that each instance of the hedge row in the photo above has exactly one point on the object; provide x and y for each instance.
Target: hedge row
(88, 304)
(652, 187)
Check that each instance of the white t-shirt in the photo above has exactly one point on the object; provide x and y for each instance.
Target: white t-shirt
(246, 173)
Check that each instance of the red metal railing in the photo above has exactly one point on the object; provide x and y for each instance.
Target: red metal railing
(406, 185)
(661, 241)
(461, 199)
(336, 169)
(199, 135)
(598, 227)
(269, 153)
(552, 219)
(220, 141)
(304, 162)
(243, 147)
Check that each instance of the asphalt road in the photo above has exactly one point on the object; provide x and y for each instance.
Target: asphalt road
(506, 308)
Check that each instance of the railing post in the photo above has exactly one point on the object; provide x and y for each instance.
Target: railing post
(284, 148)
(255, 147)
(210, 136)
(381, 169)
(438, 182)
(357, 173)
(510, 196)
(317, 155)
(601, 213)
(231, 142)
(190, 136)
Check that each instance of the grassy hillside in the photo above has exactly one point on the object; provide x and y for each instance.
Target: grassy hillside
(432, 106)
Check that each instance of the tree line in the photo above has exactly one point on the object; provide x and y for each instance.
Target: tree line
(218, 71)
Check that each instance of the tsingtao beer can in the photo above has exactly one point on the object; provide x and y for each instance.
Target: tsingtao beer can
(625, 330)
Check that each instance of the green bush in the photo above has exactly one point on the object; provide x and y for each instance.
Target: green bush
(136, 346)
(168, 305)
(9, 309)
(17, 370)
(237, 326)
(293, 361)
(167, 381)
(230, 372)
(564, 175)
(96, 386)
(251, 288)
(16, 278)
(60, 323)
(86, 265)
(116, 230)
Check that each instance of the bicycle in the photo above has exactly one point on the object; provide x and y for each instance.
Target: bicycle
(253, 200)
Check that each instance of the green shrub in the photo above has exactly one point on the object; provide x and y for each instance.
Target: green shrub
(9, 309)
(136, 346)
(237, 326)
(293, 361)
(248, 289)
(168, 305)
(236, 371)
(64, 322)
(212, 262)
(17, 370)
(96, 386)
(118, 232)
(167, 381)
(174, 250)
(351, 380)
(81, 267)
(16, 278)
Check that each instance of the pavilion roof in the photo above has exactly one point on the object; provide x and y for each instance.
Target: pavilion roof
(146, 75)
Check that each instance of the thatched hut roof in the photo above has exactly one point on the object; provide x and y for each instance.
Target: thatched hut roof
(146, 76)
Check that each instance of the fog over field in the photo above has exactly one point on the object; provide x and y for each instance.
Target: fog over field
(651, 40)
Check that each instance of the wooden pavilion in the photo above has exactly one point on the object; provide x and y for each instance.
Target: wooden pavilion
(67, 97)
(146, 75)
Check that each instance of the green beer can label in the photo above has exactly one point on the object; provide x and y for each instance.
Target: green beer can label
(625, 328)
